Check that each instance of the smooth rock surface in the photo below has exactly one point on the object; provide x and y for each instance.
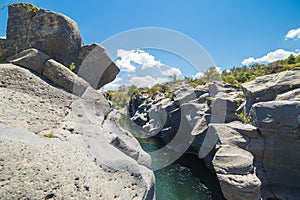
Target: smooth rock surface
(236, 174)
(57, 145)
(65, 78)
(31, 59)
(266, 88)
(96, 67)
(50, 32)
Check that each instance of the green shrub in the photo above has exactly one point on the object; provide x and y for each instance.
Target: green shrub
(72, 66)
(243, 117)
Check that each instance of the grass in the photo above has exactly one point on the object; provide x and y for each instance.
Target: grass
(72, 66)
(49, 135)
(243, 117)
(29, 6)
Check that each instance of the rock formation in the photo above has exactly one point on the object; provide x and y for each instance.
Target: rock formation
(60, 138)
(252, 161)
(58, 37)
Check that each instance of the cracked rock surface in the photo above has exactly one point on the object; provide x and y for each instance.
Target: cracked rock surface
(55, 145)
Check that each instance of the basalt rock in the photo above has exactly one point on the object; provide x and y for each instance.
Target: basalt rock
(50, 32)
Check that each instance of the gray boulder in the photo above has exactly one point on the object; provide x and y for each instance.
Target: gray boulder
(50, 32)
(223, 108)
(64, 146)
(220, 87)
(96, 67)
(31, 59)
(236, 174)
(267, 88)
(293, 95)
(65, 78)
(277, 117)
(278, 122)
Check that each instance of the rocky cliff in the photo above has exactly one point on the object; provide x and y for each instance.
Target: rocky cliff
(60, 138)
(248, 136)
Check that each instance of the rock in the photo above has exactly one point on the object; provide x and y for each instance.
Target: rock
(277, 117)
(236, 174)
(185, 93)
(52, 33)
(84, 155)
(157, 119)
(266, 88)
(223, 109)
(293, 95)
(220, 87)
(31, 59)
(240, 187)
(65, 78)
(278, 122)
(233, 160)
(96, 67)
(228, 136)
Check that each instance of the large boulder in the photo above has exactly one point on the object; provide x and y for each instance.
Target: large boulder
(53, 33)
(63, 146)
(96, 67)
(236, 174)
(277, 117)
(278, 123)
(267, 88)
(31, 59)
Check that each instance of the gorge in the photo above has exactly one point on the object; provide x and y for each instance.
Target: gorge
(61, 137)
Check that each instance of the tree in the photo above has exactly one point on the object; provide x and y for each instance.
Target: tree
(212, 74)
(291, 59)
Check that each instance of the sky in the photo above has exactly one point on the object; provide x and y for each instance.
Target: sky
(230, 32)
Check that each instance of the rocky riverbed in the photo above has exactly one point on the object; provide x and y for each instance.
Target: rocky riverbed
(61, 139)
(248, 136)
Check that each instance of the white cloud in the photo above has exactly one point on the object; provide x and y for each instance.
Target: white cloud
(147, 81)
(198, 75)
(219, 69)
(113, 85)
(279, 54)
(294, 33)
(140, 57)
(171, 71)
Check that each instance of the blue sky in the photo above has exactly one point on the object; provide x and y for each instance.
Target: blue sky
(230, 31)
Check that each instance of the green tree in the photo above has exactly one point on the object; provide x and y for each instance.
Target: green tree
(212, 74)
(291, 59)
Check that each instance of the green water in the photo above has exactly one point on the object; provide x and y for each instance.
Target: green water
(185, 179)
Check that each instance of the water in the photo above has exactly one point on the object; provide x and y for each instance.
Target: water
(185, 179)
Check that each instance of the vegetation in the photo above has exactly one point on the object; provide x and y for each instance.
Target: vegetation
(120, 97)
(240, 75)
(236, 76)
(243, 117)
(72, 66)
(49, 135)
(28, 5)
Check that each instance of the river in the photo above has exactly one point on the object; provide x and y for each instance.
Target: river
(185, 179)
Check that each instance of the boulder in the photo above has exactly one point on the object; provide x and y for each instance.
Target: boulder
(186, 93)
(220, 87)
(293, 95)
(236, 174)
(31, 59)
(63, 146)
(277, 117)
(267, 88)
(278, 122)
(63, 77)
(96, 67)
(50, 32)
(223, 109)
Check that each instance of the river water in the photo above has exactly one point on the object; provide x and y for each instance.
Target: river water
(185, 179)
